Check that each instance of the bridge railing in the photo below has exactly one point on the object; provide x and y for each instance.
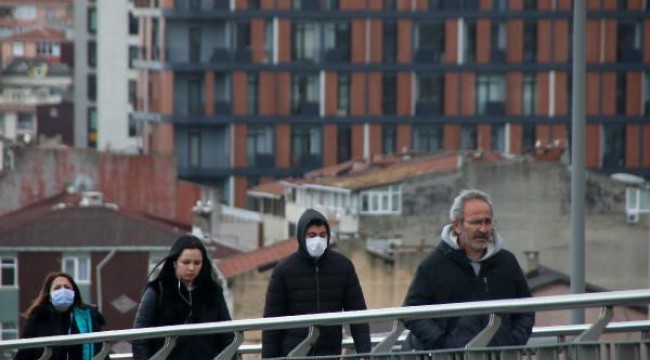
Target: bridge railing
(585, 345)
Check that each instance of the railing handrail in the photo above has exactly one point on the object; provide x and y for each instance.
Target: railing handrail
(545, 303)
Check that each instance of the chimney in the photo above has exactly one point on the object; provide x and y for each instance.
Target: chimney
(206, 214)
(532, 261)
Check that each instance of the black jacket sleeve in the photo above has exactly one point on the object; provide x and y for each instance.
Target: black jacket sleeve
(275, 305)
(145, 317)
(223, 339)
(28, 332)
(429, 332)
(356, 301)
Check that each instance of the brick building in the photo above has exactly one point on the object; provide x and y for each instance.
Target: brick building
(243, 90)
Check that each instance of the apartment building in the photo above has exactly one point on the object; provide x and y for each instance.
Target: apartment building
(106, 42)
(247, 90)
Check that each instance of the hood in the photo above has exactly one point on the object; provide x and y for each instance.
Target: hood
(451, 239)
(305, 220)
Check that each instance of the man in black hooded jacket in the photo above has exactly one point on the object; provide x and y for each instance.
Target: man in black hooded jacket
(314, 279)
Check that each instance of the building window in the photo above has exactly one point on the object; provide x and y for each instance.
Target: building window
(306, 145)
(389, 43)
(621, 91)
(336, 42)
(343, 143)
(92, 54)
(389, 93)
(194, 143)
(469, 46)
(315, 4)
(223, 93)
(530, 41)
(133, 55)
(528, 137)
(133, 126)
(9, 272)
(430, 42)
(388, 139)
(195, 95)
(628, 41)
(647, 93)
(194, 42)
(48, 48)
(468, 137)
(92, 20)
(428, 138)
(92, 87)
(530, 4)
(498, 137)
(259, 146)
(92, 127)
(491, 94)
(133, 25)
(9, 331)
(268, 40)
(529, 96)
(498, 41)
(78, 267)
(18, 48)
(133, 92)
(389, 4)
(304, 94)
(381, 201)
(25, 12)
(613, 142)
(500, 5)
(343, 94)
(25, 122)
(243, 42)
(252, 100)
(304, 37)
(430, 94)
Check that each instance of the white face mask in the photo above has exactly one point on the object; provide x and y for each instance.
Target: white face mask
(316, 246)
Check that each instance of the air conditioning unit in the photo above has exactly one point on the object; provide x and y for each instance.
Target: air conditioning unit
(632, 218)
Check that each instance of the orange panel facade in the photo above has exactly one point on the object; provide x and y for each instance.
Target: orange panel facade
(282, 145)
(592, 151)
(632, 135)
(239, 145)
(451, 140)
(329, 144)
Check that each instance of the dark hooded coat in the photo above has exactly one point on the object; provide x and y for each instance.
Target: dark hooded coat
(303, 285)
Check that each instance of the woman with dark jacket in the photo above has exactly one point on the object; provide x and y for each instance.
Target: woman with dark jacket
(59, 310)
(184, 292)
(314, 279)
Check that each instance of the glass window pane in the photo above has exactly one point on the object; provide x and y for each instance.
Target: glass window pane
(84, 269)
(69, 266)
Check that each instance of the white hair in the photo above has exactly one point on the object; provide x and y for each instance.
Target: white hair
(456, 211)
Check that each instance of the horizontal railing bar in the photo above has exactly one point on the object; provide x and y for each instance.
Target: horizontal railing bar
(557, 302)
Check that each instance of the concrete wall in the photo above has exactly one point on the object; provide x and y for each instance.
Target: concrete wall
(532, 209)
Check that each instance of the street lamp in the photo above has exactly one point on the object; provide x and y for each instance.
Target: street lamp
(637, 201)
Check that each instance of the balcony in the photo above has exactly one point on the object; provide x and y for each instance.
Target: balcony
(428, 55)
(262, 161)
(498, 56)
(495, 108)
(628, 55)
(428, 108)
(307, 108)
(222, 107)
(337, 55)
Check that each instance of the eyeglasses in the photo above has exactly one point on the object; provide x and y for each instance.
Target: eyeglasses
(478, 222)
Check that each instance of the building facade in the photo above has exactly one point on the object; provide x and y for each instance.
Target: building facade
(246, 90)
(105, 45)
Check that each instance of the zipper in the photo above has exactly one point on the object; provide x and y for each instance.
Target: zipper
(485, 282)
(317, 291)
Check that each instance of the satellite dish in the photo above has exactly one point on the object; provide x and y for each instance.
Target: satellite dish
(628, 178)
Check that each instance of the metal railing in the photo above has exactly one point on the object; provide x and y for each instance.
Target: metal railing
(585, 345)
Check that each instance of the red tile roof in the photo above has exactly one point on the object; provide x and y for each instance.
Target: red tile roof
(41, 33)
(235, 265)
(273, 189)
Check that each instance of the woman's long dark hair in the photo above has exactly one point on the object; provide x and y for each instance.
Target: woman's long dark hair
(205, 281)
(44, 294)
